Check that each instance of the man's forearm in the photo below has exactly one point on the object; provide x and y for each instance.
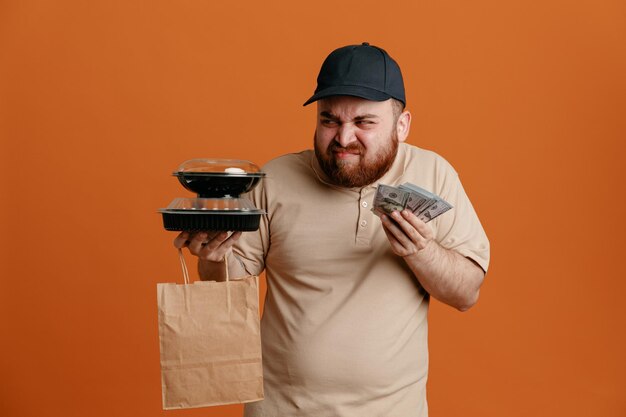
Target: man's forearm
(447, 275)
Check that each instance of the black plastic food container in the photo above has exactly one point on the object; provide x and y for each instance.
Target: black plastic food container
(218, 184)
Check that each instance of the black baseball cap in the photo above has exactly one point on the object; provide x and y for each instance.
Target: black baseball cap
(365, 71)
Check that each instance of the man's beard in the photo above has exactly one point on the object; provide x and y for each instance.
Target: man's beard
(352, 175)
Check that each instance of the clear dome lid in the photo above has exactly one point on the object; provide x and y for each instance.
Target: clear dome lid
(218, 166)
(210, 178)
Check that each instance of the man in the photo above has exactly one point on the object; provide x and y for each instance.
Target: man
(344, 330)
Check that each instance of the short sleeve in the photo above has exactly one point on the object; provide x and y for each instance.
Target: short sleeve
(252, 247)
(459, 229)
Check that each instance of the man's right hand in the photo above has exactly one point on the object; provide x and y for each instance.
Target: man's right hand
(209, 246)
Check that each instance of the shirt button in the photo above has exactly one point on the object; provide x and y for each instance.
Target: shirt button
(364, 204)
(363, 223)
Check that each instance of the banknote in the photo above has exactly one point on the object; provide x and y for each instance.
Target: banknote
(419, 198)
(424, 204)
(433, 210)
(389, 199)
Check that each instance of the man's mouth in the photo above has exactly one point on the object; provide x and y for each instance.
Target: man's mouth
(346, 155)
(345, 152)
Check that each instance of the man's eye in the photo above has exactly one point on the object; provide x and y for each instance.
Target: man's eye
(328, 122)
(364, 122)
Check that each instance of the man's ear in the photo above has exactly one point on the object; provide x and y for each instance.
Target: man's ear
(403, 126)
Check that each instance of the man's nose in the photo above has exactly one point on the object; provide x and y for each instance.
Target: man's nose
(345, 134)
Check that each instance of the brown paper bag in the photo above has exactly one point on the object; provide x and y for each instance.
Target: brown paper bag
(210, 342)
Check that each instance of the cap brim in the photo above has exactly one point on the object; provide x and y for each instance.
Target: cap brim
(349, 90)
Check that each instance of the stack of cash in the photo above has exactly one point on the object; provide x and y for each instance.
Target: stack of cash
(424, 204)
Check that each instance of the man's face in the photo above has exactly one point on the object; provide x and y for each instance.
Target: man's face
(356, 140)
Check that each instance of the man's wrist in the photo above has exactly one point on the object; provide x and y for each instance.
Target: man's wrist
(211, 270)
(211, 262)
(424, 256)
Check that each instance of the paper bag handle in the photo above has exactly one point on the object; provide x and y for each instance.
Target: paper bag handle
(183, 265)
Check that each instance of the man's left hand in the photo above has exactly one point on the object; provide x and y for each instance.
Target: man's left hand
(407, 234)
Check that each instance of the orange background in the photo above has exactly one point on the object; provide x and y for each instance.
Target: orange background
(101, 100)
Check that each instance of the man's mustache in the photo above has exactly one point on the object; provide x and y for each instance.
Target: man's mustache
(354, 147)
